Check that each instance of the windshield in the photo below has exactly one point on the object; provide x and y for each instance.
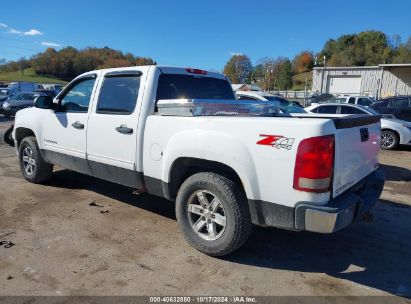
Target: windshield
(180, 86)
(285, 105)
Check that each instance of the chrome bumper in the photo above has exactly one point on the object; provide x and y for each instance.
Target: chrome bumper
(343, 210)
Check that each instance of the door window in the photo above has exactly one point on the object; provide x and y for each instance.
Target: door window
(77, 98)
(364, 102)
(399, 103)
(119, 95)
(327, 109)
(351, 110)
(351, 100)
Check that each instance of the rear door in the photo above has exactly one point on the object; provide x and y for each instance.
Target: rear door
(112, 133)
(401, 108)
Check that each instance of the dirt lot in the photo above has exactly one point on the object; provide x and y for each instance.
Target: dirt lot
(64, 246)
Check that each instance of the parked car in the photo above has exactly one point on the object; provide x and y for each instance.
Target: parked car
(18, 102)
(50, 93)
(399, 107)
(393, 131)
(22, 86)
(181, 134)
(285, 105)
(320, 98)
(365, 101)
(6, 93)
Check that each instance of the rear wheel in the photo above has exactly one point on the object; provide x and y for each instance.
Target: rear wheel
(213, 214)
(32, 164)
(389, 140)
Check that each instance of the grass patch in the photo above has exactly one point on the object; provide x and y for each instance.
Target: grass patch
(299, 81)
(28, 75)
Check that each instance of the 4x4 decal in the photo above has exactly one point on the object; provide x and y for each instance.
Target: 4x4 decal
(277, 141)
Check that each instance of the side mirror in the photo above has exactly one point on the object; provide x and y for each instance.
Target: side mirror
(44, 102)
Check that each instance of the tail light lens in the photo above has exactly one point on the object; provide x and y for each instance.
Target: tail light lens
(314, 164)
(196, 71)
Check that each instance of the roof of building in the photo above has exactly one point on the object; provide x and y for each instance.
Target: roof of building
(251, 87)
(384, 65)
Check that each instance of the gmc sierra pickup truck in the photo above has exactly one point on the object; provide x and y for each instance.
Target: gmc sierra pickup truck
(228, 164)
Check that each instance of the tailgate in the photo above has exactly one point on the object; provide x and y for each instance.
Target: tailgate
(357, 143)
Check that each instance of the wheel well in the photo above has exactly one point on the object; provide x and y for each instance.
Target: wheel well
(396, 133)
(22, 133)
(184, 167)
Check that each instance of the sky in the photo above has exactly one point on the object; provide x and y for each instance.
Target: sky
(194, 33)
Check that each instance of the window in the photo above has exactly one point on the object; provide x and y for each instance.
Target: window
(351, 100)
(119, 94)
(327, 109)
(241, 97)
(351, 110)
(364, 102)
(176, 86)
(400, 102)
(77, 98)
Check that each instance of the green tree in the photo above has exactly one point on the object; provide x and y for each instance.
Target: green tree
(284, 74)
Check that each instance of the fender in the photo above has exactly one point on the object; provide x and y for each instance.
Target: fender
(212, 146)
(29, 118)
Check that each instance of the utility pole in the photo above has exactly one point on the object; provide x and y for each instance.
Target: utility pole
(323, 74)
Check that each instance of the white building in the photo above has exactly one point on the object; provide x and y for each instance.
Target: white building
(379, 81)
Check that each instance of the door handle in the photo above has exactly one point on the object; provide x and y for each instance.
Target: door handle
(124, 129)
(78, 125)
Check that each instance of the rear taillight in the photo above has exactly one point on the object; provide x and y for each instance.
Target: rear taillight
(314, 164)
(196, 71)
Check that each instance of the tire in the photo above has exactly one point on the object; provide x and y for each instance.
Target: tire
(32, 164)
(230, 208)
(8, 138)
(389, 140)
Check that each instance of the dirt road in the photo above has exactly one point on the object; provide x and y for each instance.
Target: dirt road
(64, 246)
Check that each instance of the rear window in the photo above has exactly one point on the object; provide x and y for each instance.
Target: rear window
(327, 109)
(178, 86)
(351, 110)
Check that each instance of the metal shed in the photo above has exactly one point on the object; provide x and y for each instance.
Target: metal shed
(379, 81)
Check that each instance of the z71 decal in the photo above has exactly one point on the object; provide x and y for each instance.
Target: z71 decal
(277, 141)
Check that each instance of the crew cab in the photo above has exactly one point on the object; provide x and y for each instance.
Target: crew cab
(180, 134)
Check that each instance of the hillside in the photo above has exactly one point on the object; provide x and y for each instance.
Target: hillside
(28, 75)
(299, 81)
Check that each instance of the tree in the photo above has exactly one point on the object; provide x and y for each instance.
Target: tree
(303, 62)
(284, 74)
(23, 64)
(238, 69)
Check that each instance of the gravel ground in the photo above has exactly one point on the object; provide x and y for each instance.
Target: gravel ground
(64, 246)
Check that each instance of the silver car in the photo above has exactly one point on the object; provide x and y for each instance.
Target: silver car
(393, 131)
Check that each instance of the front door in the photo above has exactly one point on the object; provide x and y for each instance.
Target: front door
(112, 129)
(65, 129)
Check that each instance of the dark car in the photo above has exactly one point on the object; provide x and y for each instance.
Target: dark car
(398, 106)
(18, 102)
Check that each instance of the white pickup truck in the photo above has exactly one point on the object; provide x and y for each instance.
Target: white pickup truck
(226, 167)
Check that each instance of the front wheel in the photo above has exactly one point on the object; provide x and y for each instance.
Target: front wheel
(213, 214)
(389, 140)
(32, 164)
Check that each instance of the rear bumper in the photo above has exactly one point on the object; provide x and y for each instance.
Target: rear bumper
(343, 210)
(337, 214)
